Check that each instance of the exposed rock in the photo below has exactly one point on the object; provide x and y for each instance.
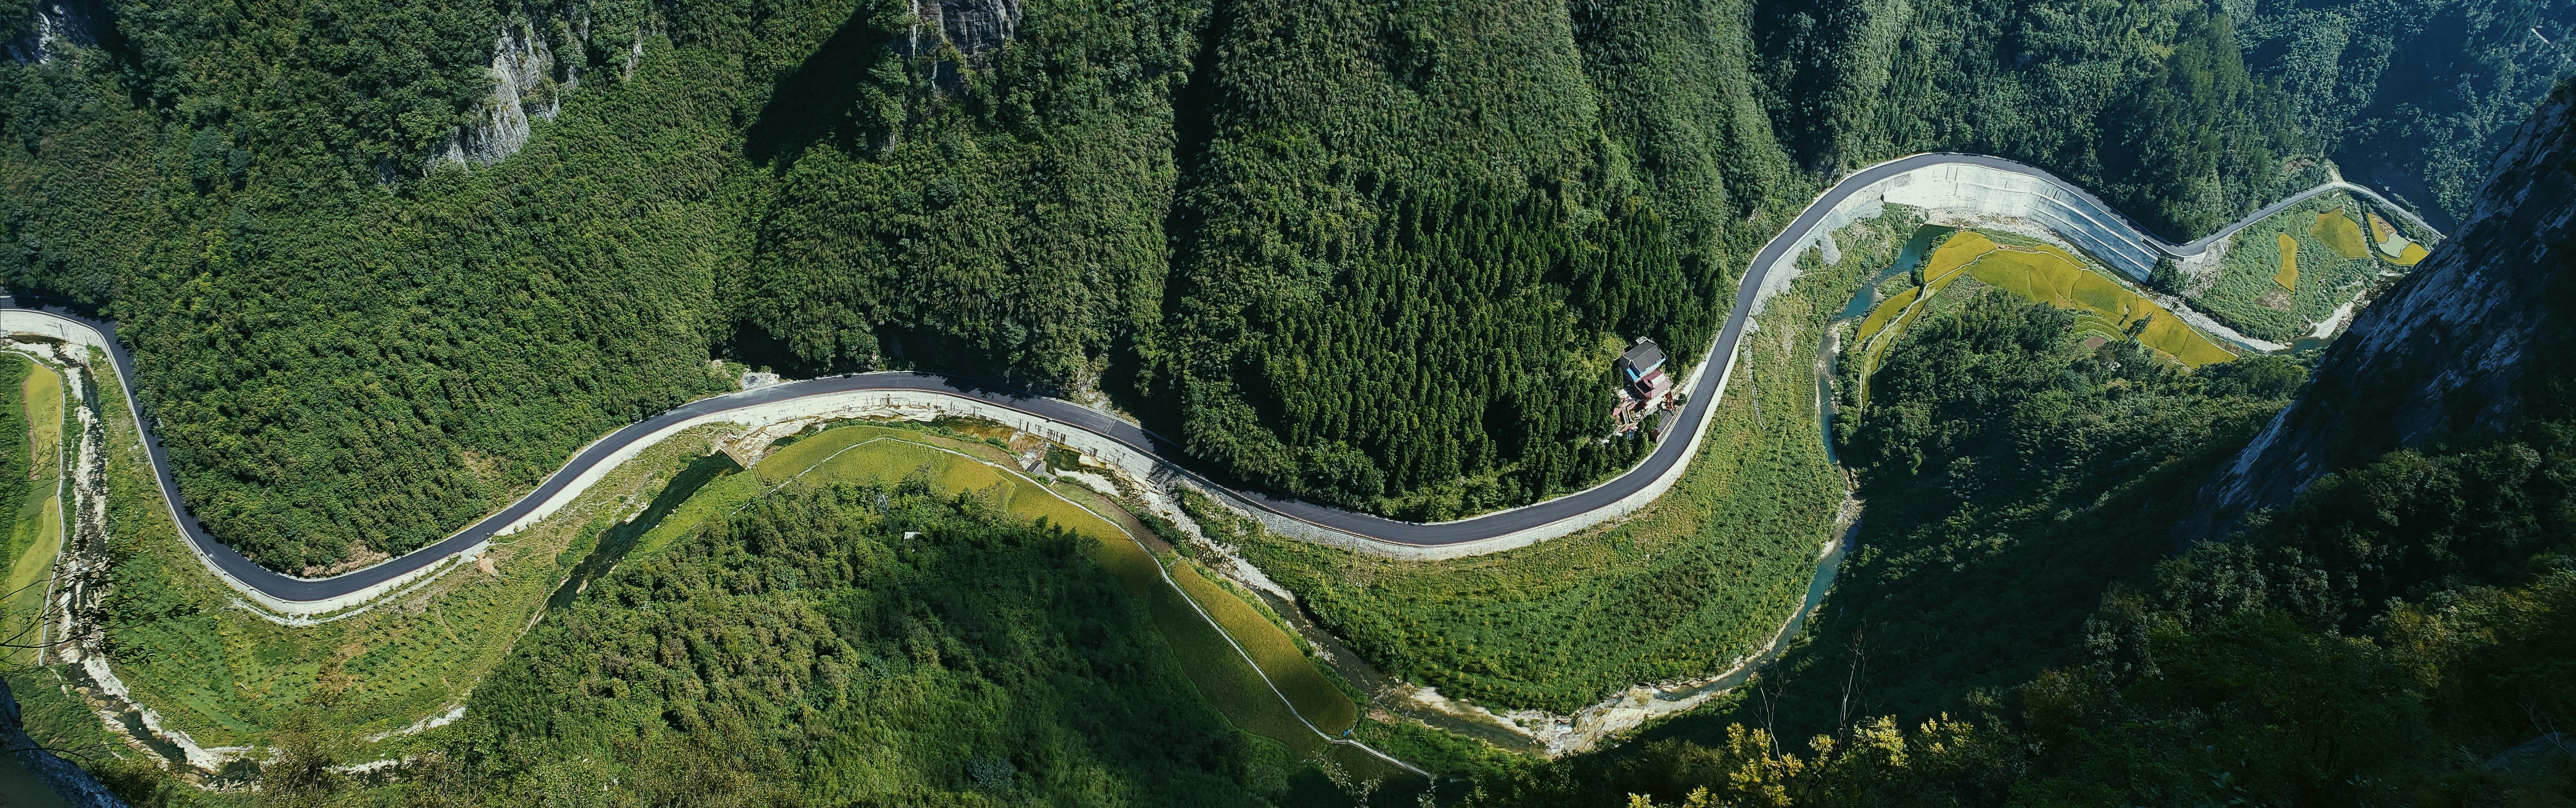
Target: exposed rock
(976, 26)
(2445, 354)
(68, 781)
(972, 27)
(634, 55)
(527, 84)
(57, 23)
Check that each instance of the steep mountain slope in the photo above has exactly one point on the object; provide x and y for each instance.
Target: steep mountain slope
(2413, 96)
(385, 264)
(2400, 631)
(1406, 256)
(2460, 352)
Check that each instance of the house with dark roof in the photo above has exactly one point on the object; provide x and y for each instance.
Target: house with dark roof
(1643, 368)
(1646, 386)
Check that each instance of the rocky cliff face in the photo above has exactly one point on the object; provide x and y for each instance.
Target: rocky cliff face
(528, 83)
(57, 23)
(972, 27)
(2451, 354)
(74, 786)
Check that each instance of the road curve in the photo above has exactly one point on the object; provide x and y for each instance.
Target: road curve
(1648, 478)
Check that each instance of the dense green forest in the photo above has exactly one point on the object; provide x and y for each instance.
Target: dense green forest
(2415, 97)
(14, 455)
(1415, 234)
(1012, 226)
(1374, 255)
(2184, 115)
(1999, 455)
(2149, 105)
(2400, 634)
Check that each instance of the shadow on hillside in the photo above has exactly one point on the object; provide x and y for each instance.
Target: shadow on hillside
(614, 542)
(820, 99)
(1918, 637)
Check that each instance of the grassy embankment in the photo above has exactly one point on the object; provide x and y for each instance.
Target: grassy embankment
(887, 455)
(33, 414)
(226, 676)
(33, 411)
(2283, 275)
(1701, 577)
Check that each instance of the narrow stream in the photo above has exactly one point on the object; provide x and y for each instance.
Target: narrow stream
(1906, 258)
(1829, 563)
(1830, 352)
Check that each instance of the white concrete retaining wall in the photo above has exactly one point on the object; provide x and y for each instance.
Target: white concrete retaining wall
(1997, 192)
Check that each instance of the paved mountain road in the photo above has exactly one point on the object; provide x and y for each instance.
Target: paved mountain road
(1649, 478)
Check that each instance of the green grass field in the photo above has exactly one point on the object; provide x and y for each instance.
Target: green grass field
(2288, 277)
(1877, 331)
(884, 456)
(226, 676)
(1271, 648)
(36, 529)
(1879, 318)
(713, 500)
(2337, 230)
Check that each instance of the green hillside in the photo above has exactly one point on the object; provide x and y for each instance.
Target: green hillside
(2018, 626)
(1363, 254)
(385, 265)
(822, 639)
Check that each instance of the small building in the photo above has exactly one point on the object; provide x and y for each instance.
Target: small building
(1643, 368)
(1646, 389)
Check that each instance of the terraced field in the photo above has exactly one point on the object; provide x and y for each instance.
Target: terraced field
(2287, 272)
(2050, 275)
(2040, 273)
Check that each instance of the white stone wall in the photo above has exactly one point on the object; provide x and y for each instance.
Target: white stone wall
(1997, 192)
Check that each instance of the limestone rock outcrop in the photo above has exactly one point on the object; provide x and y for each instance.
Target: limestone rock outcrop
(2451, 353)
(972, 27)
(528, 83)
(57, 23)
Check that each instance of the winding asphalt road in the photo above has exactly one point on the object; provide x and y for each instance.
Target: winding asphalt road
(1668, 455)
